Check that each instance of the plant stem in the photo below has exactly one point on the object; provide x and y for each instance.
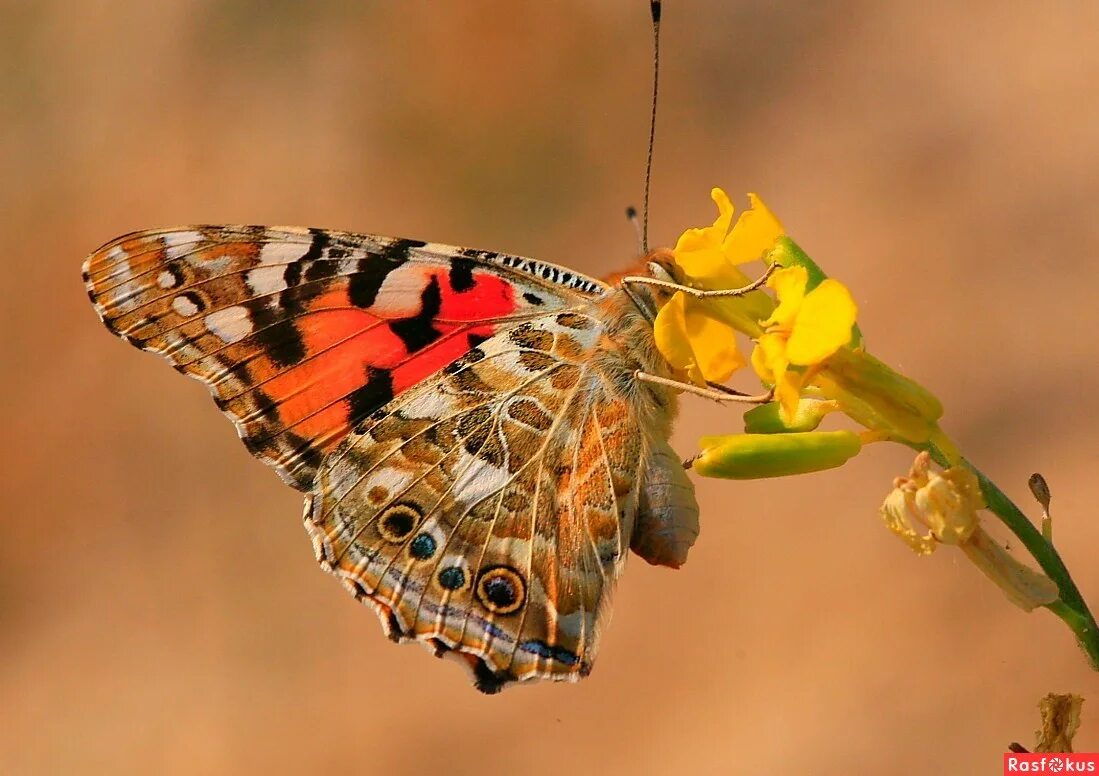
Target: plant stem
(1070, 607)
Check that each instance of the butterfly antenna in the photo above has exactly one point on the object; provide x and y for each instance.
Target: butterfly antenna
(654, 10)
(635, 222)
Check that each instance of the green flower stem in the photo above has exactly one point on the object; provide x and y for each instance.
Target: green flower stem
(1070, 607)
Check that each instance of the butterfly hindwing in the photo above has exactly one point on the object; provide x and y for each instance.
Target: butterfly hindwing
(488, 510)
(302, 333)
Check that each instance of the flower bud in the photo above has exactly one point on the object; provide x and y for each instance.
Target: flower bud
(872, 394)
(769, 418)
(755, 456)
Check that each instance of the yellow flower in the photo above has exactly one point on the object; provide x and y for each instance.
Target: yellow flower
(802, 331)
(946, 504)
(698, 336)
(694, 343)
(709, 256)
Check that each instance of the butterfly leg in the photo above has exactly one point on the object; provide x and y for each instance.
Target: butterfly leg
(718, 393)
(699, 293)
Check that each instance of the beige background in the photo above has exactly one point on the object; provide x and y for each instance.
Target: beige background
(160, 609)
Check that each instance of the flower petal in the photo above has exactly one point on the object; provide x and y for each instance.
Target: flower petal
(822, 324)
(769, 357)
(693, 342)
(708, 237)
(725, 211)
(754, 233)
(670, 332)
(713, 342)
(948, 504)
(703, 263)
(789, 287)
(700, 252)
(788, 394)
(897, 516)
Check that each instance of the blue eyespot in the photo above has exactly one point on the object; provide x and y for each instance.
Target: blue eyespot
(452, 578)
(423, 546)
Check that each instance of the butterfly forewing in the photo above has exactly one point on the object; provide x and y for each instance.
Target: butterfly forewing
(302, 333)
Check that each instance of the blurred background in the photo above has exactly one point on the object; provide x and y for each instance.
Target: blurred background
(160, 608)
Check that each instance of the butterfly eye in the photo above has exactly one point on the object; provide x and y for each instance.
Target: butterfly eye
(398, 522)
(501, 590)
(660, 272)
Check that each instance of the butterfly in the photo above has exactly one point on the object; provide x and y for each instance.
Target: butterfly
(476, 452)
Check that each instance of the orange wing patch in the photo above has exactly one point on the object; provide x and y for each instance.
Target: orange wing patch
(302, 333)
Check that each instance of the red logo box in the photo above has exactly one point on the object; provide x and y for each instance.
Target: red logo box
(1081, 762)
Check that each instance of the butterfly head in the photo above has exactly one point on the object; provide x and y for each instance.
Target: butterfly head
(661, 265)
(649, 297)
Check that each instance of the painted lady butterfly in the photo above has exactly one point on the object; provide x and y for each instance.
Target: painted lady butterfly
(467, 426)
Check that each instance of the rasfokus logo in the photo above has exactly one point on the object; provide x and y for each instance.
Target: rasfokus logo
(1081, 762)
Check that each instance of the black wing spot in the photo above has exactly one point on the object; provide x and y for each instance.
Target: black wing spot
(461, 274)
(363, 287)
(534, 299)
(196, 300)
(178, 278)
(277, 335)
(316, 246)
(488, 681)
(398, 250)
(418, 332)
(372, 271)
(393, 627)
(399, 521)
(309, 267)
(321, 270)
(376, 393)
(306, 456)
(291, 276)
(474, 253)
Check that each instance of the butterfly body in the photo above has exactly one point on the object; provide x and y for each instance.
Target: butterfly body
(476, 452)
